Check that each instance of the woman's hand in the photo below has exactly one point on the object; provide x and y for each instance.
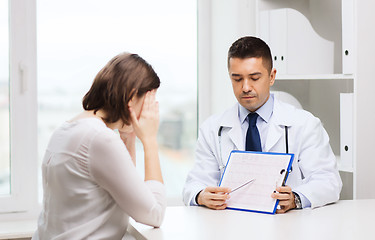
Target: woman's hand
(146, 126)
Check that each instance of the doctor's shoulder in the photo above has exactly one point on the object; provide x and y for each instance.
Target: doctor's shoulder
(213, 122)
(299, 116)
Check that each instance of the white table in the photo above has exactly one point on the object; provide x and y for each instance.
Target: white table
(347, 219)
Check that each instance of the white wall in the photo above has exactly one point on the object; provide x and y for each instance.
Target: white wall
(220, 23)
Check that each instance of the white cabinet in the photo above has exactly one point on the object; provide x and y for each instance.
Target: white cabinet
(312, 45)
(296, 48)
(346, 132)
(348, 36)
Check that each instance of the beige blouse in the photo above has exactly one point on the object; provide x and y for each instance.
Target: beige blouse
(91, 186)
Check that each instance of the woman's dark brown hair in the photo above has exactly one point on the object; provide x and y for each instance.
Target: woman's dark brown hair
(116, 83)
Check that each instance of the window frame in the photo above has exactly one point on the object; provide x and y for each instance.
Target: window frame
(23, 109)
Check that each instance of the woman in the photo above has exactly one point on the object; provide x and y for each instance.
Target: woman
(90, 182)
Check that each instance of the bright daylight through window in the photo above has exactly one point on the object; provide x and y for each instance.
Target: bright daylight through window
(77, 38)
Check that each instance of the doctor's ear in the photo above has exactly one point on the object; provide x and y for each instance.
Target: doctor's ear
(272, 76)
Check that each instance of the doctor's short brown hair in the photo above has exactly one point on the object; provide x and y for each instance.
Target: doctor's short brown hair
(251, 47)
(123, 77)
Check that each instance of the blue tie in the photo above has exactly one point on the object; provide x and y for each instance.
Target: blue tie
(252, 135)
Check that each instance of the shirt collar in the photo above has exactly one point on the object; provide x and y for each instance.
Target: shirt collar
(264, 112)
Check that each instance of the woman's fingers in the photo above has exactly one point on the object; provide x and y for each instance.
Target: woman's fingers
(146, 125)
(149, 98)
(148, 106)
(155, 110)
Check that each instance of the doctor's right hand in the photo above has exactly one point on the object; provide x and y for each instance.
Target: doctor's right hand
(214, 197)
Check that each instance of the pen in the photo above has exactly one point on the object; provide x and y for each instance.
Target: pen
(235, 189)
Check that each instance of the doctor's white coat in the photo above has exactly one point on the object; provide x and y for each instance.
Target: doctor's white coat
(314, 170)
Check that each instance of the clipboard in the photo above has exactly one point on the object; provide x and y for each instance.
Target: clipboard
(264, 171)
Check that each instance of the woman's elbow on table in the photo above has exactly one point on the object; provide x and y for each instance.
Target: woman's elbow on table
(154, 217)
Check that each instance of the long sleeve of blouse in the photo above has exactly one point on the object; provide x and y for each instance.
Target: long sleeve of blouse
(112, 168)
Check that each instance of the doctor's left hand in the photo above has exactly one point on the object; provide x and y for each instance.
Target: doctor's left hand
(285, 197)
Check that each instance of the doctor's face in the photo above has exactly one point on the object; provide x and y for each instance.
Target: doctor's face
(251, 81)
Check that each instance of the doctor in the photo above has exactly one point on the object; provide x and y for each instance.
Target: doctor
(278, 127)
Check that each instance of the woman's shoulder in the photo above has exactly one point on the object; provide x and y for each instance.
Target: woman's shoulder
(90, 125)
(86, 130)
(97, 130)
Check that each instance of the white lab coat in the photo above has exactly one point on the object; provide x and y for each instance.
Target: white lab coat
(314, 174)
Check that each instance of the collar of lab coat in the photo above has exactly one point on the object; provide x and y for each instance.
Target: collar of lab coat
(281, 117)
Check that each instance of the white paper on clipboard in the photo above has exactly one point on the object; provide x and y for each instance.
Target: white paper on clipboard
(269, 171)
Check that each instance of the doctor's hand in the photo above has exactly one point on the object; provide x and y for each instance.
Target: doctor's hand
(285, 197)
(214, 197)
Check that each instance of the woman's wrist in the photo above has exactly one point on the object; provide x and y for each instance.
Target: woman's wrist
(149, 142)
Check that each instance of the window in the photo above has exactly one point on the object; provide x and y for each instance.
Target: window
(77, 38)
(18, 162)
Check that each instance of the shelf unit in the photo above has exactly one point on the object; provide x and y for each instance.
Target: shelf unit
(312, 46)
(323, 77)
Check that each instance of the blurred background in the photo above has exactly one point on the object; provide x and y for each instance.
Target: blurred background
(75, 39)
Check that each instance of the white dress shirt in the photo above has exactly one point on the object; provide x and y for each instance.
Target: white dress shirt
(265, 113)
